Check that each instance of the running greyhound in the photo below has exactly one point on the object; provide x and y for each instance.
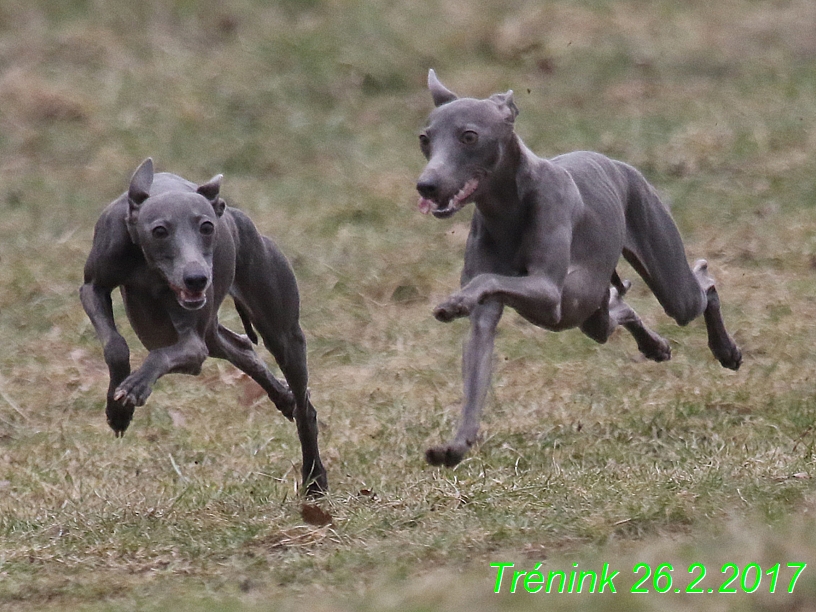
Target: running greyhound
(176, 250)
(545, 239)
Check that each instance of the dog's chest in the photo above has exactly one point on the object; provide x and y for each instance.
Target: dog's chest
(145, 280)
(485, 254)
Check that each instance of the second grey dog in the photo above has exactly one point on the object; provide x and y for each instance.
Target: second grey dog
(545, 239)
(176, 251)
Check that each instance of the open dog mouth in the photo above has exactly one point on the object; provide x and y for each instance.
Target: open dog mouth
(453, 205)
(189, 300)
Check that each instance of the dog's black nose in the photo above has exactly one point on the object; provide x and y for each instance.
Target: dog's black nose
(427, 188)
(195, 282)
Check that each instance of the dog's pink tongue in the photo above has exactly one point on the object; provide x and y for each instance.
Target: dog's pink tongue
(424, 205)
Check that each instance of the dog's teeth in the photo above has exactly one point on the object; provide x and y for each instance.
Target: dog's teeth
(464, 193)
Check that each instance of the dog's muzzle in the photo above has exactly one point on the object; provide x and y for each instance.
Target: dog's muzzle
(189, 300)
(193, 295)
(430, 205)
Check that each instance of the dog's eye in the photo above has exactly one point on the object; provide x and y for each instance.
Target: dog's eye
(469, 137)
(206, 228)
(160, 232)
(424, 141)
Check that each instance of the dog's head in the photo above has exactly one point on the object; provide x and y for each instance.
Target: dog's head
(176, 231)
(464, 141)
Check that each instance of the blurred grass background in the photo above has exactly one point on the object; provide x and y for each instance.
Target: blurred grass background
(311, 110)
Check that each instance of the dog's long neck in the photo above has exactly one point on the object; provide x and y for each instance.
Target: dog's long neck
(500, 207)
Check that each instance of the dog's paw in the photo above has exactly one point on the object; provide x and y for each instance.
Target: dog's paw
(455, 307)
(317, 485)
(729, 356)
(704, 277)
(134, 391)
(658, 349)
(448, 455)
(286, 405)
(119, 416)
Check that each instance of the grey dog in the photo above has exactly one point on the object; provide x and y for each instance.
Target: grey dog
(176, 250)
(545, 239)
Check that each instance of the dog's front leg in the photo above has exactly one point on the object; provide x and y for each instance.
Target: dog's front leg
(477, 363)
(184, 357)
(528, 294)
(98, 306)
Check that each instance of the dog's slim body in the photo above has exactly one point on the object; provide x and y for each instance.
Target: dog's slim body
(176, 251)
(545, 239)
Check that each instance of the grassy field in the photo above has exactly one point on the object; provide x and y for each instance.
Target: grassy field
(311, 110)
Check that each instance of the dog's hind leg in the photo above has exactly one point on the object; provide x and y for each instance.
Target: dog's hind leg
(266, 288)
(246, 321)
(615, 312)
(655, 250)
(721, 344)
(277, 325)
(289, 349)
(239, 352)
(476, 369)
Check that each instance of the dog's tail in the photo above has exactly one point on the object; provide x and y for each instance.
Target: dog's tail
(621, 285)
(242, 312)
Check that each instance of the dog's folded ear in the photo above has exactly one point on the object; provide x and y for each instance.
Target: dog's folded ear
(440, 94)
(210, 190)
(505, 103)
(138, 192)
(140, 183)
